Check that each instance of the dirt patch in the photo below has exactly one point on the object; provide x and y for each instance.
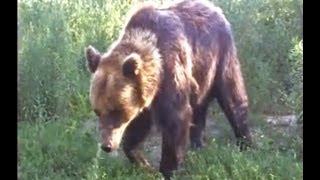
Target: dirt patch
(215, 128)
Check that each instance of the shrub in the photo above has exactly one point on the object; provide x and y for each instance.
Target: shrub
(52, 77)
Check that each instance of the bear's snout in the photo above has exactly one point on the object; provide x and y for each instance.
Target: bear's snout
(107, 141)
(107, 147)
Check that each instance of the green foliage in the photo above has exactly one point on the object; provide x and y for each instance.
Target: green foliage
(53, 84)
(53, 79)
(228, 163)
(68, 150)
(265, 33)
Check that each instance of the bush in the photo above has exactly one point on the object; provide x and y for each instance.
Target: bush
(53, 80)
(264, 33)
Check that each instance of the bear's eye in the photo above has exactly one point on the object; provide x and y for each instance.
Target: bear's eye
(115, 117)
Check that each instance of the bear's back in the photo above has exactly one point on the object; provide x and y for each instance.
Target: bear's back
(200, 22)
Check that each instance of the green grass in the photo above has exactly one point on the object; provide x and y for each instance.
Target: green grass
(66, 149)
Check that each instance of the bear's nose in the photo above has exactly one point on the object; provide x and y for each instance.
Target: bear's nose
(106, 148)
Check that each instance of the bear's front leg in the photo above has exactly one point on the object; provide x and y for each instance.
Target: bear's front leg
(175, 133)
(135, 135)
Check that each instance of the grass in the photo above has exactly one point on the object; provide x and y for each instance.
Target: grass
(68, 149)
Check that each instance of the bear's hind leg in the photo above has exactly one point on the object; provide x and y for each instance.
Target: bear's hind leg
(232, 98)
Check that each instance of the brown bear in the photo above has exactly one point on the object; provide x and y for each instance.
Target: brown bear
(167, 65)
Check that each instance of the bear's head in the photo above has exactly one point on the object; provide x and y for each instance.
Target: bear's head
(124, 82)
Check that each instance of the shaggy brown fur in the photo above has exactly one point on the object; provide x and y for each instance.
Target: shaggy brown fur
(168, 62)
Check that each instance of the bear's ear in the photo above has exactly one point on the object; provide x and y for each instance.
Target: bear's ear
(131, 65)
(93, 57)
